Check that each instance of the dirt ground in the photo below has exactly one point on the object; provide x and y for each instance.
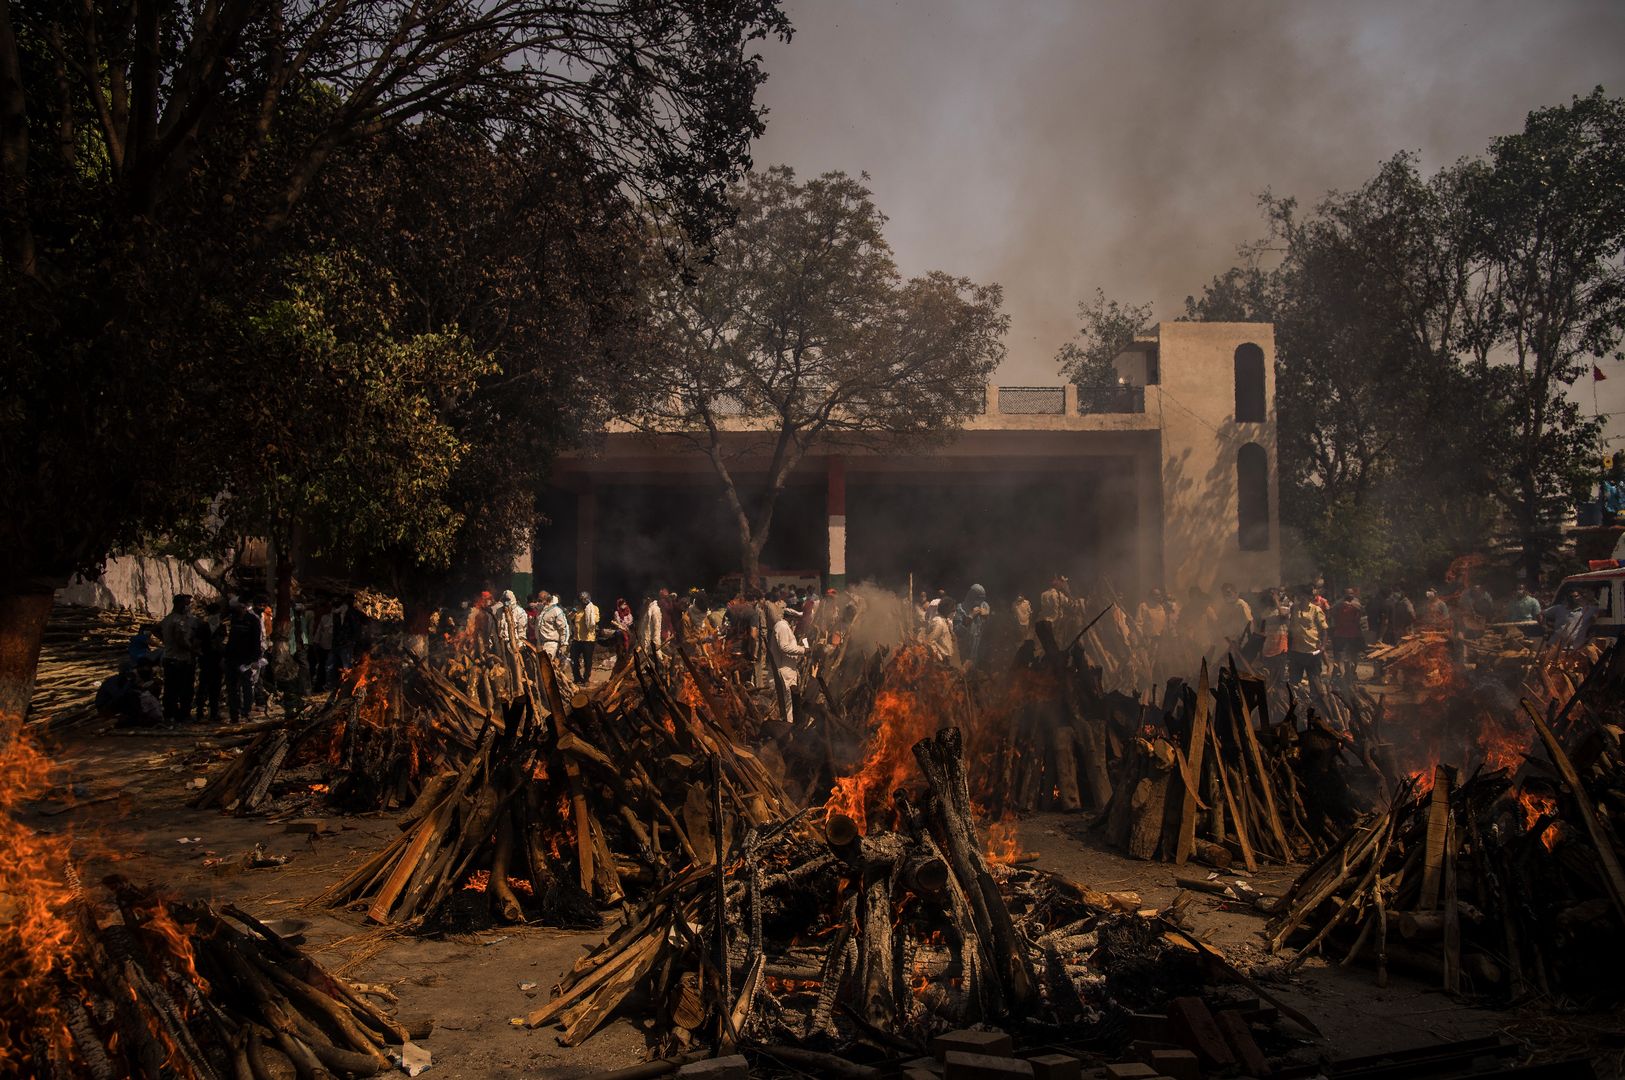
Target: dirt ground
(123, 799)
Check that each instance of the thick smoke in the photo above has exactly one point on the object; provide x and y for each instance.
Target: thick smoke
(1055, 146)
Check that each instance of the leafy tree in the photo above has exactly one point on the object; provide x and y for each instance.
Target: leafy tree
(355, 453)
(1106, 328)
(801, 328)
(1427, 329)
(1546, 215)
(154, 162)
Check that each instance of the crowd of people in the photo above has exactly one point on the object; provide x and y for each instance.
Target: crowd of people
(764, 634)
(182, 668)
(198, 656)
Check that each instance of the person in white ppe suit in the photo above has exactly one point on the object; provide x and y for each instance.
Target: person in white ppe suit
(786, 653)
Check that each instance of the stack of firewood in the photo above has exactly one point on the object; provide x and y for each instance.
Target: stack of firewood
(1501, 883)
(612, 794)
(82, 646)
(392, 721)
(1208, 776)
(186, 990)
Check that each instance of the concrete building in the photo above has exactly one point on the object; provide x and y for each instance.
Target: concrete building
(1168, 478)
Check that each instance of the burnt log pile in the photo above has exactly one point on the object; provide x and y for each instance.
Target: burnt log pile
(815, 935)
(566, 805)
(156, 990)
(1500, 882)
(1208, 776)
(370, 744)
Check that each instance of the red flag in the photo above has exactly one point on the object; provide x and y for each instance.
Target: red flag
(1596, 374)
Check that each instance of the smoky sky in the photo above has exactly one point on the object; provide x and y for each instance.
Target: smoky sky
(1054, 146)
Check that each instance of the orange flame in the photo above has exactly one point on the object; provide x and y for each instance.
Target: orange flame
(1002, 847)
(37, 933)
(1535, 806)
(916, 698)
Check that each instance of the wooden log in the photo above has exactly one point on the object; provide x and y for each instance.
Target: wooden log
(1438, 828)
(1195, 753)
(1067, 796)
(881, 858)
(1612, 874)
(504, 903)
(941, 761)
(1149, 803)
(1210, 854)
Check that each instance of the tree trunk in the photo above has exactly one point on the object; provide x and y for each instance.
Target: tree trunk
(22, 627)
(283, 613)
(750, 554)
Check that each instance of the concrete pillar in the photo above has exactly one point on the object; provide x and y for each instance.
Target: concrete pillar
(1069, 398)
(522, 577)
(835, 501)
(1148, 515)
(586, 538)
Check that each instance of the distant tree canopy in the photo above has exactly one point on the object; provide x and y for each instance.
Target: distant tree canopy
(800, 321)
(1427, 330)
(181, 185)
(1105, 329)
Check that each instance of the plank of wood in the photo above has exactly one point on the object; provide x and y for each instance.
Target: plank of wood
(1247, 857)
(644, 949)
(1196, 748)
(427, 831)
(1250, 740)
(1438, 826)
(1452, 915)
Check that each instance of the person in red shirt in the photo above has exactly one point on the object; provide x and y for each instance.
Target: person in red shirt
(1348, 634)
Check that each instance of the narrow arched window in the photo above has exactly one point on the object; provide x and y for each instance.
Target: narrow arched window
(1253, 498)
(1249, 384)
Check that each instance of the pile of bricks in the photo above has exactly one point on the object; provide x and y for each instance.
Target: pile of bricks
(1189, 1042)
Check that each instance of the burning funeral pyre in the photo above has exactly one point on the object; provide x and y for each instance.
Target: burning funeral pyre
(810, 934)
(393, 721)
(611, 795)
(1500, 880)
(121, 983)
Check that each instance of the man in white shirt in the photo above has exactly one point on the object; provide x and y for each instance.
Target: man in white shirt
(1235, 614)
(785, 652)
